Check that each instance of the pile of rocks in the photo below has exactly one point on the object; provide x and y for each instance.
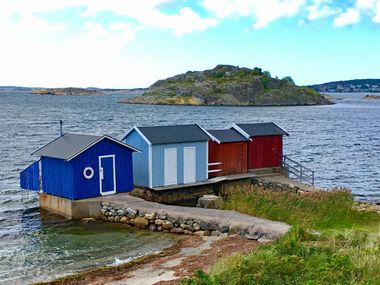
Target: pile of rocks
(276, 186)
(159, 221)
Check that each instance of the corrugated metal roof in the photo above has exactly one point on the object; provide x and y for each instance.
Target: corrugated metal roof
(262, 129)
(70, 145)
(174, 134)
(225, 136)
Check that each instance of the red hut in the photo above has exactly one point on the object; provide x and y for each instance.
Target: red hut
(227, 152)
(265, 146)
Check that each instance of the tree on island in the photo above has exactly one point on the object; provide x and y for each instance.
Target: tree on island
(289, 79)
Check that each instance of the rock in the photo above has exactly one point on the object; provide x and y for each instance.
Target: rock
(113, 212)
(151, 216)
(238, 229)
(183, 226)
(158, 222)
(152, 227)
(103, 211)
(199, 233)
(162, 216)
(215, 233)
(167, 225)
(120, 212)
(117, 219)
(131, 213)
(224, 228)
(263, 240)
(186, 232)
(176, 230)
(208, 226)
(196, 227)
(210, 202)
(142, 213)
(190, 222)
(124, 220)
(141, 223)
(159, 228)
(88, 220)
(111, 219)
(132, 221)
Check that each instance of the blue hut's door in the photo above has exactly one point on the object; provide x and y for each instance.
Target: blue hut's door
(107, 174)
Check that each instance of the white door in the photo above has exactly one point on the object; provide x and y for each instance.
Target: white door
(107, 174)
(189, 164)
(170, 168)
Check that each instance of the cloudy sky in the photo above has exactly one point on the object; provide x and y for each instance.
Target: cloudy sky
(132, 43)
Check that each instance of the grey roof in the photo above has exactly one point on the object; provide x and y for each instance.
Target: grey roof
(225, 136)
(70, 145)
(174, 134)
(262, 129)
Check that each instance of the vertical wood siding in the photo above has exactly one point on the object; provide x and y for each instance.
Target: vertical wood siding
(85, 188)
(140, 160)
(158, 162)
(233, 156)
(57, 177)
(264, 152)
(30, 177)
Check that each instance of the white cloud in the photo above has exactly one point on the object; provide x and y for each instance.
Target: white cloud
(264, 11)
(320, 9)
(349, 17)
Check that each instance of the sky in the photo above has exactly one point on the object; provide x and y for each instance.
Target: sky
(133, 43)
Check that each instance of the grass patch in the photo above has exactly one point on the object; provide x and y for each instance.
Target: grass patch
(298, 258)
(347, 252)
(317, 210)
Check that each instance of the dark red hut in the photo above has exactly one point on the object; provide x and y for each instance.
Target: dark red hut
(227, 152)
(265, 147)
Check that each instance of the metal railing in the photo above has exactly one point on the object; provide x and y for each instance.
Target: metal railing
(302, 173)
(214, 164)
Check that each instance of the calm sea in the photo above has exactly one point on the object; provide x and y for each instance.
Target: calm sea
(340, 142)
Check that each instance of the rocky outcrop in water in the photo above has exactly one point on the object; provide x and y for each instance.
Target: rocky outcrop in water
(66, 91)
(228, 85)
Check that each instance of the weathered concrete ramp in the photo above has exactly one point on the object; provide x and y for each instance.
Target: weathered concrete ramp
(193, 220)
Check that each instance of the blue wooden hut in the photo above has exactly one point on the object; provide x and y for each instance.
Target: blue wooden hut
(76, 166)
(169, 155)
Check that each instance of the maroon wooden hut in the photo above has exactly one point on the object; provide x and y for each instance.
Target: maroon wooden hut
(265, 147)
(227, 153)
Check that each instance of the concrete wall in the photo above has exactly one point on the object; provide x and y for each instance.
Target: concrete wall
(71, 209)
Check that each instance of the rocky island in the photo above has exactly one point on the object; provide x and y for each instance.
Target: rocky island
(67, 91)
(228, 85)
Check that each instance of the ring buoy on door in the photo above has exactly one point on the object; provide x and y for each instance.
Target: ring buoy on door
(88, 172)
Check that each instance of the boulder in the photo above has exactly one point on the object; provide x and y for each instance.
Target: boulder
(151, 216)
(199, 233)
(210, 202)
(88, 220)
(131, 213)
(158, 222)
(124, 220)
(141, 223)
(166, 225)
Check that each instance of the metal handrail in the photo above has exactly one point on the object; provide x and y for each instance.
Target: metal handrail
(301, 172)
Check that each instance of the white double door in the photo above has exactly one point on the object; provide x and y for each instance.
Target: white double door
(170, 165)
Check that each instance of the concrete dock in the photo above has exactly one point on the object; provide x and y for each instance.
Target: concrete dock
(177, 219)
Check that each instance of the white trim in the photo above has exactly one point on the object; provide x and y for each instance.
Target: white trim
(206, 160)
(150, 166)
(101, 176)
(241, 131)
(135, 128)
(213, 138)
(98, 140)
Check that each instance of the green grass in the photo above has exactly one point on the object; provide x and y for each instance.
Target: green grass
(347, 251)
(319, 210)
(298, 258)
